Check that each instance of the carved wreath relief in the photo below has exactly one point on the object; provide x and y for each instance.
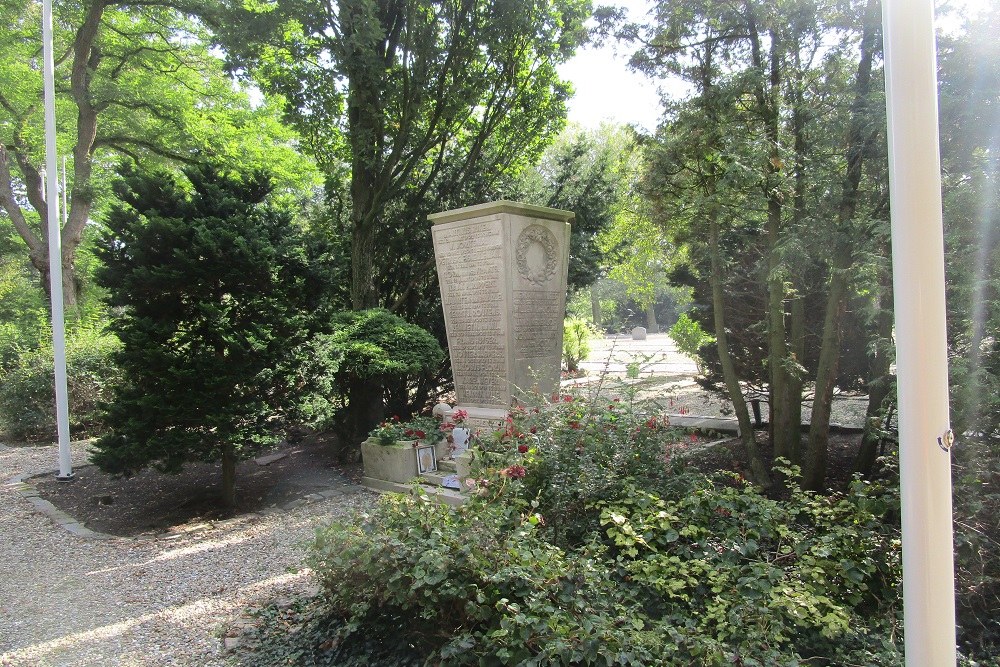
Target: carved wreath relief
(537, 254)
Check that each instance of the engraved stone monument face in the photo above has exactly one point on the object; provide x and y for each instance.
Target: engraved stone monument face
(502, 268)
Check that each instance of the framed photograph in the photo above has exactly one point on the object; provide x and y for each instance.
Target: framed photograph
(426, 462)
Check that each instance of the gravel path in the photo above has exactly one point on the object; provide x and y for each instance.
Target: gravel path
(71, 601)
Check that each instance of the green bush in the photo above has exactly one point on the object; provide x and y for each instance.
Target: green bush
(27, 394)
(364, 350)
(689, 337)
(577, 334)
(476, 584)
(581, 546)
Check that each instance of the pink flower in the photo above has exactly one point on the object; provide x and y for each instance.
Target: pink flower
(459, 415)
(651, 422)
(514, 472)
(522, 449)
(567, 398)
(446, 427)
(693, 437)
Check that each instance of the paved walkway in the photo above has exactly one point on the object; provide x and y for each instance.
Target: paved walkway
(666, 377)
(657, 354)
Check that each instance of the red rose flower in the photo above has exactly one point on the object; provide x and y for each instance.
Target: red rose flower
(420, 434)
(522, 449)
(514, 472)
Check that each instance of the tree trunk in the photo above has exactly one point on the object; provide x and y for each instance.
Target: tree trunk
(595, 306)
(814, 460)
(364, 294)
(768, 103)
(365, 410)
(86, 59)
(651, 325)
(780, 390)
(858, 138)
(797, 344)
(797, 329)
(758, 471)
(880, 383)
(228, 476)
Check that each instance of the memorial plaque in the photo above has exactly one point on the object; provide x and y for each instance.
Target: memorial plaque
(502, 269)
(470, 270)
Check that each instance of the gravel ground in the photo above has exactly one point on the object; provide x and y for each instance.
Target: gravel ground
(71, 601)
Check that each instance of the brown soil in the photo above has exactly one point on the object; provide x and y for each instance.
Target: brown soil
(153, 502)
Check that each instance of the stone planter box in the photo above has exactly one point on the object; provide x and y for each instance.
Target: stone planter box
(392, 463)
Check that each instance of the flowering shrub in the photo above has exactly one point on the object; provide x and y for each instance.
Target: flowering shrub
(581, 544)
(578, 451)
(393, 430)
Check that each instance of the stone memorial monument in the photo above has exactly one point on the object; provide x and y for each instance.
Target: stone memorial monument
(502, 267)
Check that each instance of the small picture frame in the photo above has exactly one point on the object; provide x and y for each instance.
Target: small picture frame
(426, 461)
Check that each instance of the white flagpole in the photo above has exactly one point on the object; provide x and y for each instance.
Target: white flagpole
(55, 247)
(921, 343)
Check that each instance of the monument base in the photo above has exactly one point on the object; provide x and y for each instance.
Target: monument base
(484, 420)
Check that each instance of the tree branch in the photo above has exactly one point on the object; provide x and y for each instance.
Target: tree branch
(7, 200)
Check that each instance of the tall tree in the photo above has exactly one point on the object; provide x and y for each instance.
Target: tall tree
(397, 91)
(133, 80)
(803, 237)
(864, 127)
(690, 169)
(592, 173)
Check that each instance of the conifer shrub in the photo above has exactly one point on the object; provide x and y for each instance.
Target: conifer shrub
(364, 350)
(207, 281)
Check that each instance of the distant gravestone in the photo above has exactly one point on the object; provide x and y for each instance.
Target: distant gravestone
(502, 268)
(639, 333)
